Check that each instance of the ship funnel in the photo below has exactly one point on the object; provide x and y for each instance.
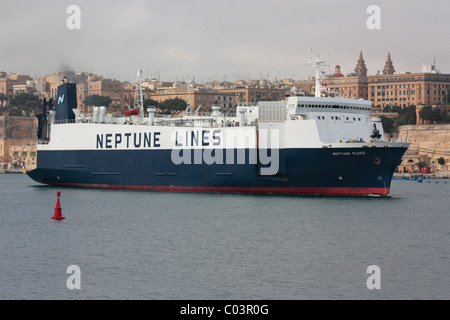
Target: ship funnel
(66, 101)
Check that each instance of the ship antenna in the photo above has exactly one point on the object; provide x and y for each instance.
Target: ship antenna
(189, 94)
(317, 64)
(189, 106)
(138, 96)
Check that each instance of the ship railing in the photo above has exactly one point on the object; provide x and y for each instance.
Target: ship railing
(197, 114)
(201, 122)
(64, 121)
(246, 104)
(404, 140)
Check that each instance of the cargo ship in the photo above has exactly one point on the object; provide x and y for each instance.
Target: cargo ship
(300, 145)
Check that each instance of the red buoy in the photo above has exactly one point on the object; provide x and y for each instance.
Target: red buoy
(58, 211)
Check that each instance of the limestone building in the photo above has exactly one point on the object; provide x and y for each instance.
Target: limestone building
(405, 89)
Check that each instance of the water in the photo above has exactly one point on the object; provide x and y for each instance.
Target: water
(151, 245)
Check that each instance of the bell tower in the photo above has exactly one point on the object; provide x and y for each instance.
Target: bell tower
(361, 69)
(388, 67)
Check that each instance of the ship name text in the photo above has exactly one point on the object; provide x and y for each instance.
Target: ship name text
(353, 153)
(139, 140)
(197, 138)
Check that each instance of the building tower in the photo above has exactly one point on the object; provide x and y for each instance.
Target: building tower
(337, 71)
(361, 70)
(388, 67)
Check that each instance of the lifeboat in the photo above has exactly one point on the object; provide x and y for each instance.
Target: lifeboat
(132, 112)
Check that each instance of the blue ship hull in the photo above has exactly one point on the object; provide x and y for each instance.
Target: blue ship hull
(324, 171)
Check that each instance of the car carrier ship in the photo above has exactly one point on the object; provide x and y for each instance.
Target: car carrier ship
(301, 145)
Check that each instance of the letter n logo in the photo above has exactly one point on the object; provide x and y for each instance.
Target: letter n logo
(61, 99)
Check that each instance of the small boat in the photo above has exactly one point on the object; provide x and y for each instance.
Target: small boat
(132, 112)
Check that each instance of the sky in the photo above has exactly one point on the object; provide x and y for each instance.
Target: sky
(208, 40)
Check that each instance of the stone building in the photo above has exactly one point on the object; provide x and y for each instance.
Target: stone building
(23, 156)
(405, 89)
(254, 94)
(388, 67)
(353, 86)
(409, 160)
(16, 131)
(432, 141)
(197, 97)
(8, 81)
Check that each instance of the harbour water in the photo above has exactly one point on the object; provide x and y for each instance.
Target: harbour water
(166, 246)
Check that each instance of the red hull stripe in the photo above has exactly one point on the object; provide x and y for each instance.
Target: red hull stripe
(340, 191)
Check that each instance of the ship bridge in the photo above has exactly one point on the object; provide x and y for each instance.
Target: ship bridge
(303, 105)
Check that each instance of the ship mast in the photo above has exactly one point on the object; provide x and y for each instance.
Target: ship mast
(317, 64)
(138, 96)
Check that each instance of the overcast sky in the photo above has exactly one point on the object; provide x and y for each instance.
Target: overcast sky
(222, 40)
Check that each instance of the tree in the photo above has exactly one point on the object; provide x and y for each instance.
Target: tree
(441, 161)
(388, 124)
(97, 101)
(421, 165)
(430, 114)
(150, 103)
(446, 118)
(406, 116)
(392, 109)
(3, 97)
(173, 106)
(426, 113)
(409, 114)
(24, 104)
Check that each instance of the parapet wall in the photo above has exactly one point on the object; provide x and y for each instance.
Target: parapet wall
(18, 127)
(427, 139)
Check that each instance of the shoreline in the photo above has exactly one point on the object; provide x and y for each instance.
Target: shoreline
(422, 175)
(15, 171)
